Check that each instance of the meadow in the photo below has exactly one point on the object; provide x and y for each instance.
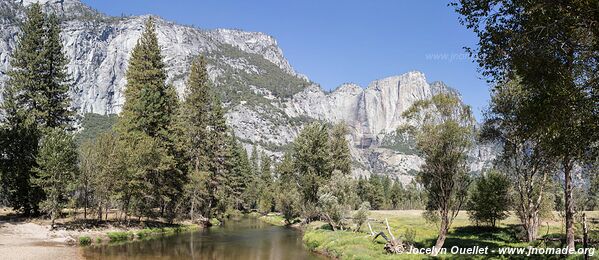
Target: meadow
(410, 225)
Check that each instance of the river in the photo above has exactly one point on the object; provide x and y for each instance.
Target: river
(246, 238)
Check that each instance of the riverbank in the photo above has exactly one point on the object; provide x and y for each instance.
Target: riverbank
(32, 238)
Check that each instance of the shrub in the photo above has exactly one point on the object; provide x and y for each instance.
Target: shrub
(361, 215)
(215, 222)
(118, 236)
(85, 241)
(489, 202)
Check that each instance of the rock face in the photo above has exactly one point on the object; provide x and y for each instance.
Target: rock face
(267, 102)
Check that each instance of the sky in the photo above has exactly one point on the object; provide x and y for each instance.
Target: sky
(335, 42)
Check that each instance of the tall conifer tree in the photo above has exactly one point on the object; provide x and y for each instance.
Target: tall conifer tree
(35, 101)
(146, 122)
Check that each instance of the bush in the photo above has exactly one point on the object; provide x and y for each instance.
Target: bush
(361, 215)
(85, 241)
(288, 202)
(489, 202)
(215, 222)
(118, 236)
(330, 208)
(144, 233)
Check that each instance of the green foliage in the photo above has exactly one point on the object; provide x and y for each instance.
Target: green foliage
(310, 158)
(56, 170)
(207, 143)
(103, 172)
(196, 192)
(149, 102)
(343, 187)
(592, 202)
(266, 185)
(93, 125)
(85, 241)
(444, 132)
(361, 215)
(119, 236)
(552, 48)
(331, 210)
(148, 130)
(35, 100)
(287, 196)
(523, 158)
(241, 175)
(340, 157)
(288, 203)
(371, 190)
(400, 141)
(490, 200)
(215, 222)
(271, 77)
(409, 235)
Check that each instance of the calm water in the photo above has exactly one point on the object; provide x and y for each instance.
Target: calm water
(248, 238)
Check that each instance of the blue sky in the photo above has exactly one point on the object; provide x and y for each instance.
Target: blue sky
(333, 42)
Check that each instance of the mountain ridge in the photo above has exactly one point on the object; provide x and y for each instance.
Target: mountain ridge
(266, 100)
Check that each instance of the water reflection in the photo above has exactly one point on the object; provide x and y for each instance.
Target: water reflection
(247, 238)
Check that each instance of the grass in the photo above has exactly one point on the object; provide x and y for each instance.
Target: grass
(147, 233)
(119, 236)
(272, 219)
(359, 245)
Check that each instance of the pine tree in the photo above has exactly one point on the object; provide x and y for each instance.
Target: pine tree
(340, 157)
(311, 162)
(35, 101)
(397, 195)
(149, 102)
(288, 199)
(54, 107)
(56, 171)
(255, 160)
(266, 184)
(146, 125)
(219, 164)
(239, 174)
(195, 114)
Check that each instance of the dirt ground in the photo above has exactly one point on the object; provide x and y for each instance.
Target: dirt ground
(21, 239)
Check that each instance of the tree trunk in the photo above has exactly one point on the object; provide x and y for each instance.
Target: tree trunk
(53, 216)
(191, 210)
(532, 227)
(85, 206)
(569, 204)
(442, 235)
